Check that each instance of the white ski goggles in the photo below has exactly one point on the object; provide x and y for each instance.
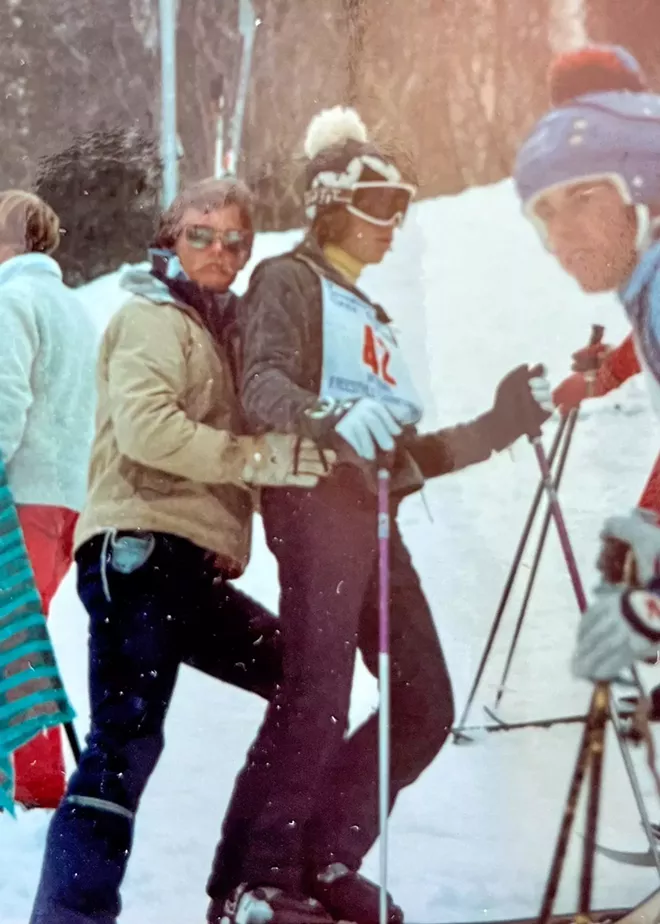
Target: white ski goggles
(380, 203)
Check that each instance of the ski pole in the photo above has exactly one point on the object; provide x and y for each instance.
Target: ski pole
(572, 420)
(597, 334)
(571, 563)
(589, 758)
(508, 587)
(383, 678)
(561, 845)
(600, 696)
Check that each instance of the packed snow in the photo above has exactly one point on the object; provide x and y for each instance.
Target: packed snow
(474, 294)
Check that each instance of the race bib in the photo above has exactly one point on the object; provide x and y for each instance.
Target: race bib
(361, 357)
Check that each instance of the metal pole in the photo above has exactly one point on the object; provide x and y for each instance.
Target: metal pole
(218, 102)
(246, 26)
(581, 598)
(457, 731)
(169, 140)
(384, 680)
(572, 420)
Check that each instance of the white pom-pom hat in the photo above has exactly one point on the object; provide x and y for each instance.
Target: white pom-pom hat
(333, 127)
(342, 160)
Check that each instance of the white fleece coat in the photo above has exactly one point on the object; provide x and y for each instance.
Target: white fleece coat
(48, 348)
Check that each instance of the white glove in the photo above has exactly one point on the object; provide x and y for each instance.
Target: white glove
(620, 627)
(284, 460)
(541, 391)
(640, 531)
(368, 427)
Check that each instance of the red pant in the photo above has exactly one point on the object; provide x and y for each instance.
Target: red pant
(650, 498)
(39, 765)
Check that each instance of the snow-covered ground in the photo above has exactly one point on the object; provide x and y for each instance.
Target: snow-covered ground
(474, 294)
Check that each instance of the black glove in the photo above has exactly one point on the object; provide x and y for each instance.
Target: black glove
(612, 560)
(521, 406)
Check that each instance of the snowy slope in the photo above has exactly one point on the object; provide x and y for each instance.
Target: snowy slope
(474, 294)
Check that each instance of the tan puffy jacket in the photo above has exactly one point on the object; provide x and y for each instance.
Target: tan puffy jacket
(165, 457)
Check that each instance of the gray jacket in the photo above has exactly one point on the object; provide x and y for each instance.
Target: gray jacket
(282, 354)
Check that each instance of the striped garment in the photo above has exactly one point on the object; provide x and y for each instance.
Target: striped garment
(32, 697)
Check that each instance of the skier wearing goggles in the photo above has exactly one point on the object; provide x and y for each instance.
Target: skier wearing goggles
(320, 358)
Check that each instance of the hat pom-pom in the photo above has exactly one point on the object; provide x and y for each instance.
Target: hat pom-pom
(333, 127)
(593, 69)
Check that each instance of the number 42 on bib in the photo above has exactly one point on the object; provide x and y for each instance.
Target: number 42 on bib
(376, 355)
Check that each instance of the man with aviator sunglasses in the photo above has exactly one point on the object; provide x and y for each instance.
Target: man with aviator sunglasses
(165, 527)
(320, 359)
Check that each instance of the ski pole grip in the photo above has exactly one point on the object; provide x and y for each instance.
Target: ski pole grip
(597, 334)
(527, 407)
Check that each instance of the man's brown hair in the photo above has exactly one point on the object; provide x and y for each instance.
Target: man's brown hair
(27, 222)
(207, 196)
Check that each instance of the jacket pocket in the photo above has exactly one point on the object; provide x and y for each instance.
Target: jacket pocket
(150, 483)
(130, 553)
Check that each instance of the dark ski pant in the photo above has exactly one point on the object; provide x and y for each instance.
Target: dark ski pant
(307, 796)
(163, 610)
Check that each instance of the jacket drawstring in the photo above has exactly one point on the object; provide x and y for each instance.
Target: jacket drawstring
(109, 536)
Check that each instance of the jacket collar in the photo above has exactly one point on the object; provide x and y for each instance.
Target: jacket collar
(28, 264)
(641, 275)
(308, 251)
(216, 312)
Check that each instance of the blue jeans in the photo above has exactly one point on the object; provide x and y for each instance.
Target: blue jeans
(153, 604)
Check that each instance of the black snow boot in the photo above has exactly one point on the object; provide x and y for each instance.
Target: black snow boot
(266, 905)
(347, 896)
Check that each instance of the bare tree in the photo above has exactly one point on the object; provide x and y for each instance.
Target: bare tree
(568, 26)
(634, 25)
(105, 187)
(300, 66)
(355, 27)
(208, 45)
(458, 82)
(452, 85)
(55, 49)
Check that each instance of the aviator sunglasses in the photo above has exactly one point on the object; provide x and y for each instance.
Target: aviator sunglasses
(200, 237)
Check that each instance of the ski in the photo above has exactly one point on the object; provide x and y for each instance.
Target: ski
(646, 912)
(534, 723)
(627, 857)
(632, 857)
(468, 734)
(493, 716)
